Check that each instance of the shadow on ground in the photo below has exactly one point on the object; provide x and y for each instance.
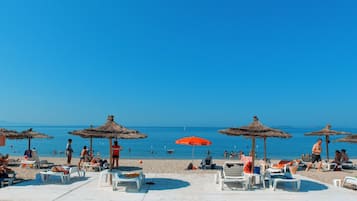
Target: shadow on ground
(154, 184)
(158, 184)
(51, 180)
(306, 186)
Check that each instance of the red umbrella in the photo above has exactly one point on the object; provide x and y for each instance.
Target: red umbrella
(193, 141)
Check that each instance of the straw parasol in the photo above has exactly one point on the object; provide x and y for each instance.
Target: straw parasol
(109, 130)
(327, 132)
(27, 134)
(255, 130)
(4, 133)
(193, 141)
(350, 139)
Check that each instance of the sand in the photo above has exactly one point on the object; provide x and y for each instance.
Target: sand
(179, 166)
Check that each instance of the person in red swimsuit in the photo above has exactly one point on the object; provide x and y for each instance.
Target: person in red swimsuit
(115, 155)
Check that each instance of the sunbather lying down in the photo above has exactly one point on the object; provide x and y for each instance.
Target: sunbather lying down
(282, 164)
(59, 169)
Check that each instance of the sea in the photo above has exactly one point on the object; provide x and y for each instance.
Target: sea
(160, 143)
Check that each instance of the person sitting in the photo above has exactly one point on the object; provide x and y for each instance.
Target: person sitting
(338, 157)
(346, 163)
(4, 160)
(28, 153)
(207, 162)
(5, 171)
(344, 156)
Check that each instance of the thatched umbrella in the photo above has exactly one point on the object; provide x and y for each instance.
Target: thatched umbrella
(4, 132)
(255, 130)
(109, 130)
(27, 134)
(350, 139)
(327, 132)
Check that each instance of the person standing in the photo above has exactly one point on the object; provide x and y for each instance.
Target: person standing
(316, 155)
(83, 156)
(115, 155)
(69, 151)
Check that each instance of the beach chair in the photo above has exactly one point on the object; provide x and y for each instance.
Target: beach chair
(135, 177)
(350, 182)
(207, 164)
(65, 176)
(14, 162)
(8, 180)
(33, 162)
(232, 172)
(347, 165)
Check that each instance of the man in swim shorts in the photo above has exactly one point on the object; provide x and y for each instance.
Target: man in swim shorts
(316, 155)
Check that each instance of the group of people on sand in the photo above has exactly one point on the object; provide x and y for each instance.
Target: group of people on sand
(340, 156)
(86, 156)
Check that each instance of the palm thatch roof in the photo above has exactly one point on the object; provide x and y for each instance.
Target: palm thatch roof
(350, 138)
(255, 129)
(8, 133)
(109, 130)
(327, 131)
(27, 134)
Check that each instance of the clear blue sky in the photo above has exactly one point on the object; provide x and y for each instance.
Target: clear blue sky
(179, 63)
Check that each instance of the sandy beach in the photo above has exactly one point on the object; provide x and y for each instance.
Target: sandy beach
(168, 180)
(179, 166)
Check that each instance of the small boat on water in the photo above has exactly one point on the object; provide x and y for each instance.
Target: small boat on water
(170, 151)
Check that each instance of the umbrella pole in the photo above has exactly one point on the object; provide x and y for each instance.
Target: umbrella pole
(110, 154)
(91, 146)
(29, 143)
(253, 154)
(265, 150)
(110, 160)
(327, 140)
(193, 150)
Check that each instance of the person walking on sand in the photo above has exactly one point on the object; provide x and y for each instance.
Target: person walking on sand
(83, 156)
(316, 155)
(115, 155)
(69, 151)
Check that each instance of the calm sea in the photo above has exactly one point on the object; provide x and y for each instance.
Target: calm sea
(162, 139)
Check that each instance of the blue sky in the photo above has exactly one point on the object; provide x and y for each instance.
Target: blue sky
(163, 63)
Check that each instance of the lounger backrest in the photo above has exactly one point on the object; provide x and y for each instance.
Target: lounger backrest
(34, 156)
(233, 170)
